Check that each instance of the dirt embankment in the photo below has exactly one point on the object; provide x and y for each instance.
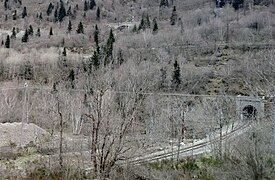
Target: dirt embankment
(14, 134)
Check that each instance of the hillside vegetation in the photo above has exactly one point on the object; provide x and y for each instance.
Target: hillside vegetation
(94, 66)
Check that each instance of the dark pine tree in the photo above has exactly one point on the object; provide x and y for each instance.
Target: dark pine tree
(38, 33)
(55, 15)
(176, 78)
(135, 29)
(174, 16)
(24, 13)
(71, 78)
(62, 11)
(69, 12)
(50, 9)
(237, 4)
(86, 6)
(76, 7)
(109, 47)
(164, 3)
(120, 58)
(111, 38)
(69, 29)
(221, 3)
(30, 30)
(25, 37)
(80, 28)
(96, 38)
(92, 4)
(51, 31)
(13, 35)
(155, 26)
(142, 25)
(64, 53)
(8, 41)
(14, 15)
(98, 14)
(6, 6)
(40, 16)
(94, 61)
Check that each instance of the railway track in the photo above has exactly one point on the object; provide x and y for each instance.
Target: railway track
(187, 150)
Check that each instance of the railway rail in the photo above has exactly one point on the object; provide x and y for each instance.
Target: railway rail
(185, 151)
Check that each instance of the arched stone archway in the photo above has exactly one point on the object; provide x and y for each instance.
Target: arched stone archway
(249, 107)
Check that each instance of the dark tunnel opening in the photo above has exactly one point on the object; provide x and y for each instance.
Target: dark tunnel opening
(249, 112)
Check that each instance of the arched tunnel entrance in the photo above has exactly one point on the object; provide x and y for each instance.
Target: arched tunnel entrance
(249, 112)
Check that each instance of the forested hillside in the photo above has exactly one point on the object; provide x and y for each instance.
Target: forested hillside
(101, 70)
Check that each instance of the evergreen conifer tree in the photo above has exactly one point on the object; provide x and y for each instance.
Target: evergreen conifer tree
(109, 47)
(120, 58)
(69, 27)
(86, 6)
(72, 78)
(24, 13)
(94, 61)
(142, 25)
(155, 26)
(13, 35)
(92, 4)
(174, 16)
(69, 12)
(164, 3)
(7, 43)
(14, 15)
(40, 16)
(62, 11)
(96, 38)
(98, 14)
(38, 33)
(176, 78)
(6, 4)
(135, 29)
(237, 4)
(111, 38)
(30, 31)
(25, 37)
(50, 9)
(55, 15)
(64, 53)
(80, 28)
(51, 31)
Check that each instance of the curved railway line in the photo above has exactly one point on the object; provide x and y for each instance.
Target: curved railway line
(183, 152)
